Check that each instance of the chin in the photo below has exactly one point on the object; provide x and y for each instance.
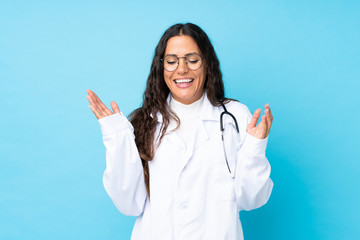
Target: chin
(186, 98)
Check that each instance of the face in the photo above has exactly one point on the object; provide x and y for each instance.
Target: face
(186, 86)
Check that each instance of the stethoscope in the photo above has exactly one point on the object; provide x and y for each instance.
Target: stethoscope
(222, 130)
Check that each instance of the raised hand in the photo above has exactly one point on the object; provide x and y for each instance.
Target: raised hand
(98, 107)
(263, 128)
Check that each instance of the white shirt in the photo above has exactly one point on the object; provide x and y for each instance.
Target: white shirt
(193, 195)
(189, 116)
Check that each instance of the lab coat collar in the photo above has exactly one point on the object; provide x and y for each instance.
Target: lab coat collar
(208, 111)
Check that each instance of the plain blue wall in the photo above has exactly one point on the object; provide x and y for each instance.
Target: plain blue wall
(302, 57)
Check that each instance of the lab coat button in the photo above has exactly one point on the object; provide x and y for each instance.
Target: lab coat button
(184, 205)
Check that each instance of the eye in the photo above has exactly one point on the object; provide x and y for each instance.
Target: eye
(193, 61)
(193, 58)
(171, 62)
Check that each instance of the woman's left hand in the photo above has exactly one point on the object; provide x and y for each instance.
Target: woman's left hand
(263, 128)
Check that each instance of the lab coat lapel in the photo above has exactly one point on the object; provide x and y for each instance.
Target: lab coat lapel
(208, 113)
(171, 135)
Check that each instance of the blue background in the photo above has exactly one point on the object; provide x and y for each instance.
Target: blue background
(302, 57)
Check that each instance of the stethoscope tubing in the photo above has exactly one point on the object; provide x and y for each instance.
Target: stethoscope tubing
(222, 130)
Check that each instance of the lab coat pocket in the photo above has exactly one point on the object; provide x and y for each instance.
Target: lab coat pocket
(223, 182)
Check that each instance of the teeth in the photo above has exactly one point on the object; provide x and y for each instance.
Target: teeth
(183, 81)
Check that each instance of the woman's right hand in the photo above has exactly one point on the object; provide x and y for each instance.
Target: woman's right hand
(98, 107)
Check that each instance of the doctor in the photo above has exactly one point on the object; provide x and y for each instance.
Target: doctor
(171, 165)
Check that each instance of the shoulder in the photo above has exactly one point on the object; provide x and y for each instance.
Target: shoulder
(238, 109)
(241, 113)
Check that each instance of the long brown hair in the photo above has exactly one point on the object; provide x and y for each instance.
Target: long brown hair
(144, 119)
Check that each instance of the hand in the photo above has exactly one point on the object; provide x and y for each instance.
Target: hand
(263, 128)
(98, 107)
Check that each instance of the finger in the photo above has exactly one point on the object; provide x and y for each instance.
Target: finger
(103, 110)
(91, 100)
(254, 118)
(95, 111)
(95, 107)
(95, 98)
(262, 128)
(265, 127)
(115, 107)
(97, 101)
(88, 91)
(267, 107)
(268, 121)
(99, 111)
(106, 111)
(91, 93)
(100, 106)
(269, 117)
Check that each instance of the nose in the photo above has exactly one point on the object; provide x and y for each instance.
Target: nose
(182, 67)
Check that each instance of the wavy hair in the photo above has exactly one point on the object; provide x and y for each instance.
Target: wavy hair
(144, 119)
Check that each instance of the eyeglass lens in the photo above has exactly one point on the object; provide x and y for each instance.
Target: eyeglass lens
(193, 62)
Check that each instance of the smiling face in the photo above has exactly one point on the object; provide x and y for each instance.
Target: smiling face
(186, 86)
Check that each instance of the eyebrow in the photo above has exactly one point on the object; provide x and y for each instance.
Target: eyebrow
(185, 54)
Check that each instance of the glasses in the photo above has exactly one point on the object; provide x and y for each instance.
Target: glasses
(193, 61)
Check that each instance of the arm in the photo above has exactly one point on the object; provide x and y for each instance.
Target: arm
(253, 185)
(123, 178)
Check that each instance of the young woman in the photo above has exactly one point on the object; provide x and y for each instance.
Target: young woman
(189, 159)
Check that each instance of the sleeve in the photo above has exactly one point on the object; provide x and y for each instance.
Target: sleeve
(252, 181)
(123, 178)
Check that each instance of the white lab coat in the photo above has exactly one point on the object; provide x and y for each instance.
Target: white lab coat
(192, 193)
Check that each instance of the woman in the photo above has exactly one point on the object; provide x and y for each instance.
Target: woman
(170, 166)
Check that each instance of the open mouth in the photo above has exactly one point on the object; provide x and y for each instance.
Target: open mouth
(187, 80)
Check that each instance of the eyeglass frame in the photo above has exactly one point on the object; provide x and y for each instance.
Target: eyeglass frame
(186, 62)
